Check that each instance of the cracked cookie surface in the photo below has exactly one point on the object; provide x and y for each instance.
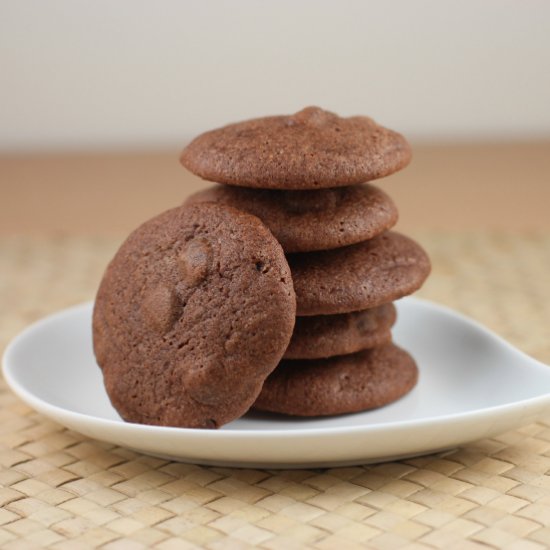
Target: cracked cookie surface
(194, 311)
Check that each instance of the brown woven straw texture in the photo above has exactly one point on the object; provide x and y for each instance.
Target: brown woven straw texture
(61, 490)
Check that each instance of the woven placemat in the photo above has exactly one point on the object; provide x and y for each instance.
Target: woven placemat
(61, 490)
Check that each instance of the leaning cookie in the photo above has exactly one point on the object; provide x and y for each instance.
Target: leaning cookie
(359, 276)
(324, 336)
(311, 149)
(193, 313)
(303, 221)
(344, 384)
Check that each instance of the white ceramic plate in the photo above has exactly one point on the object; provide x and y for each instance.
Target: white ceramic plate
(472, 385)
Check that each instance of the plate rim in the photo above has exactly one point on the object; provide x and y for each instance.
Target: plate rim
(49, 409)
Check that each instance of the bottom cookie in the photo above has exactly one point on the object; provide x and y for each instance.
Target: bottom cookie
(344, 384)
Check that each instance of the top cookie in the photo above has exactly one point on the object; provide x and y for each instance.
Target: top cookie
(194, 311)
(311, 149)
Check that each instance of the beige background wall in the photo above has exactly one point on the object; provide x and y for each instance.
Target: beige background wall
(80, 75)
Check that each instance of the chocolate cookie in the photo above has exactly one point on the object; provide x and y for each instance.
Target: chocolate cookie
(359, 276)
(328, 335)
(193, 313)
(344, 384)
(303, 221)
(308, 150)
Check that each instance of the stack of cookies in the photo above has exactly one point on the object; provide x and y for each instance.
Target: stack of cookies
(271, 290)
(303, 175)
